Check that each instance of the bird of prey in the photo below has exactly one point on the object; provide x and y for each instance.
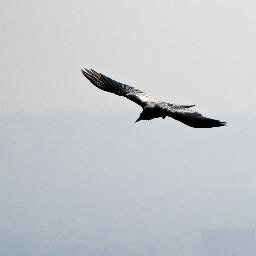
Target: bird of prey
(151, 108)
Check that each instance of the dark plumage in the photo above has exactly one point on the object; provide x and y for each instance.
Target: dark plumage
(151, 108)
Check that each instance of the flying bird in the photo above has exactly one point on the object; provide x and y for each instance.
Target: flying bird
(151, 108)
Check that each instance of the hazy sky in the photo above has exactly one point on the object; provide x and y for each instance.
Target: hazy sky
(194, 52)
(82, 184)
(75, 181)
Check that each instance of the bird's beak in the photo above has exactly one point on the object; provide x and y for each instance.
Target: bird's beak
(137, 120)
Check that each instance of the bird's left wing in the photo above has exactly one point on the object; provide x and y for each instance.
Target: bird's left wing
(107, 84)
(189, 117)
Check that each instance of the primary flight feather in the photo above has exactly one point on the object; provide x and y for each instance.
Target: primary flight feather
(151, 108)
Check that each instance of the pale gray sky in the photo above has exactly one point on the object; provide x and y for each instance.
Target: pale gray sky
(82, 184)
(195, 52)
(76, 184)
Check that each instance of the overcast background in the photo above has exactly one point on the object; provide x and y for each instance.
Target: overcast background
(200, 52)
(77, 176)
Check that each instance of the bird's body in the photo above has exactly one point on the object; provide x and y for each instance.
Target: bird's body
(150, 111)
(151, 108)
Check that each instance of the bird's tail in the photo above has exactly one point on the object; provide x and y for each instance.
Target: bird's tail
(187, 106)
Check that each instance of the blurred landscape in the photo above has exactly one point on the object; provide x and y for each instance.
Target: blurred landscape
(98, 184)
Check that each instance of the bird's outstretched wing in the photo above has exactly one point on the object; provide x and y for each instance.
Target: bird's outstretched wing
(188, 116)
(107, 84)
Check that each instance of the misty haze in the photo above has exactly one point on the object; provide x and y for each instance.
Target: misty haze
(83, 184)
(79, 177)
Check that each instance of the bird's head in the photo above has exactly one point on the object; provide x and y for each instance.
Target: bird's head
(139, 119)
(142, 116)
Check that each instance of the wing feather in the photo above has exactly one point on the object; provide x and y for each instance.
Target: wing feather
(189, 117)
(107, 84)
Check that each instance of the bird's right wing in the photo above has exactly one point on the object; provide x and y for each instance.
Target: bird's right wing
(107, 84)
(188, 116)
